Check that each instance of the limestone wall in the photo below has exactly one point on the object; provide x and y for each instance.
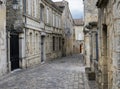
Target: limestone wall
(116, 43)
(50, 53)
(79, 35)
(67, 24)
(111, 17)
(90, 11)
(3, 57)
(90, 15)
(33, 47)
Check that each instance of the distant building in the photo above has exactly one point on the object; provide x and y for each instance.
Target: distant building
(52, 21)
(68, 27)
(79, 36)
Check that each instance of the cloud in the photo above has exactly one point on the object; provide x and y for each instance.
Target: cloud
(76, 7)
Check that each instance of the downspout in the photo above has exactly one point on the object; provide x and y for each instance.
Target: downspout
(24, 3)
(7, 41)
(7, 49)
(97, 46)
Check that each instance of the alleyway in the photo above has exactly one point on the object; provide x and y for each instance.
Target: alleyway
(63, 73)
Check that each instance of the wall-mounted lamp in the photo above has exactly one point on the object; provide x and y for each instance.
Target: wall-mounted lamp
(1, 2)
(15, 4)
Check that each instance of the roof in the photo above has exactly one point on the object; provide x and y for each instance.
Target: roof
(52, 4)
(78, 22)
(60, 5)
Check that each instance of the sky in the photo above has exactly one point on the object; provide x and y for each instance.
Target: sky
(76, 8)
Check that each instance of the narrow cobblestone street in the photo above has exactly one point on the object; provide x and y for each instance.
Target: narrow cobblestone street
(62, 73)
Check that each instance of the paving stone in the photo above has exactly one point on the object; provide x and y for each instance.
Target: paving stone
(55, 74)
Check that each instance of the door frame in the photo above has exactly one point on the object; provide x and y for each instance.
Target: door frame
(42, 49)
(12, 66)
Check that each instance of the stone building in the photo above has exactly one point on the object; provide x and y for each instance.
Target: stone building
(68, 27)
(90, 31)
(79, 36)
(33, 31)
(105, 50)
(109, 44)
(53, 29)
(3, 57)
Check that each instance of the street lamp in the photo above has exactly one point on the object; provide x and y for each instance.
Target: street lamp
(15, 4)
(1, 2)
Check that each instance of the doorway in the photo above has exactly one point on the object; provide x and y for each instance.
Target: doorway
(105, 60)
(80, 48)
(42, 48)
(14, 51)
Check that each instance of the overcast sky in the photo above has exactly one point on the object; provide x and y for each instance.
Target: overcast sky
(76, 7)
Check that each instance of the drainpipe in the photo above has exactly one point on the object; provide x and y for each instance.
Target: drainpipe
(7, 49)
(24, 1)
(97, 46)
(7, 44)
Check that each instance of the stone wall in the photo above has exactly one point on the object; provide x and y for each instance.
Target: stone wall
(109, 66)
(90, 11)
(33, 47)
(50, 53)
(90, 16)
(79, 39)
(53, 28)
(68, 27)
(33, 30)
(3, 55)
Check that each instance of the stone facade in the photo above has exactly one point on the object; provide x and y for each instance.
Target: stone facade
(79, 36)
(23, 28)
(53, 29)
(3, 57)
(34, 32)
(109, 43)
(102, 41)
(90, 20)
(68, 26)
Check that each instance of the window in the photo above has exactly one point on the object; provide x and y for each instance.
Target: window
(53, 43)
(36, 43)
(47, 15)
(59, 22)
(53, 19)
(41, 12)
(59, 43)
(35, 8)
(31, 43)
(24, 6)
(29, 8)
(56, 21)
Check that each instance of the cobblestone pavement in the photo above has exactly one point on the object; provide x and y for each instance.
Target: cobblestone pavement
(93, 85)
(62, 73)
